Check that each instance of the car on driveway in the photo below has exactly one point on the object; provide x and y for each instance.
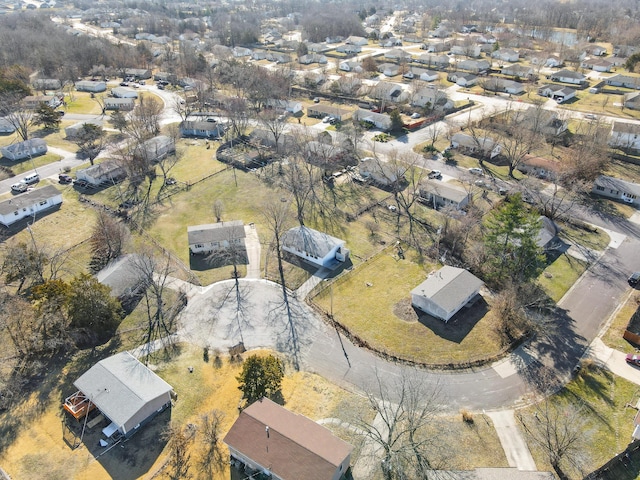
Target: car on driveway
(634, 279)
(476, 171)
(435, 174)
(19, 187)
(64, 178)
(633, 359)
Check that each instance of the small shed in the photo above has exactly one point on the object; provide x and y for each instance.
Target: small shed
(445, 292)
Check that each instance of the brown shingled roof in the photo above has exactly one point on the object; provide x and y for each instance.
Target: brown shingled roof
(295, 446)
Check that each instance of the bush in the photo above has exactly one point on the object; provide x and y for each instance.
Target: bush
(467, 416)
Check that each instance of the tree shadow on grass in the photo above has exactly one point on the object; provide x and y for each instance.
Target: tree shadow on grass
(460, 325)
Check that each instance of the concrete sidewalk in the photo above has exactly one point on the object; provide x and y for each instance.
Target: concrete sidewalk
(613, 360)
(512, 441)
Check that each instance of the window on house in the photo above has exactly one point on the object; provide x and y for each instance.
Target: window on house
(599, 188)
(15, 213)
(43, 202)
(198, 245)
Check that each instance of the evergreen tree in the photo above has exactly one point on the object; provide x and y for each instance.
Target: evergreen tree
(260, 377)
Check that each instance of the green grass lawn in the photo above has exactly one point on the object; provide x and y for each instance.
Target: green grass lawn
(83, 103)
(594, 239)
(374, 303)
(560, 275)
(609, 422)
(21, 166)
(613, 337)
(602, 104)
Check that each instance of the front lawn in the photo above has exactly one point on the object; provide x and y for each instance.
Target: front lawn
(560, 275)
(373, 302)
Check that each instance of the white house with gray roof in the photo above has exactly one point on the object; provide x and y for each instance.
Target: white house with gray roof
(29, 204)
(617, 189)
(125, 391)
(21, 150)
(445, 292)
(438, 194)
(625, 135)
(104, 172)
(315, 247)
(213, 237)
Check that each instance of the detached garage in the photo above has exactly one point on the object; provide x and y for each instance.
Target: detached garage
(125, 391)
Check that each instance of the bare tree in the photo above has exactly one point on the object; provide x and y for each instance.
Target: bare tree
(108, 240)
(561, 431)
(214, 457)
(179, 440)
(405, 409)
(144, 120)
(15, 112)
(271, 120)
(218, 209)
(91, 140)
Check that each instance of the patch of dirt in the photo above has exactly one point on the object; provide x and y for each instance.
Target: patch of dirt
(405, 311)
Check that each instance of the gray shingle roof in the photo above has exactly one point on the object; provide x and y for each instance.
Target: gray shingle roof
(448, 287)
(444, 190)
(612, 183)
(315, 243)
(216, 232)
(28, 199)
(120, 386)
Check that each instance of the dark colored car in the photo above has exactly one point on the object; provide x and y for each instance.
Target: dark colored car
(634, 279)
(64, 178)
(633, 359)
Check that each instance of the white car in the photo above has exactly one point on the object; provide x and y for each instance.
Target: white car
(476, 171)
(19, 187)
(326, 119)
(415, 115)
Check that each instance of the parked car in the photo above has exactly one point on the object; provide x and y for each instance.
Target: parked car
(590, 116)
(30, 179)
(435, 174)
(19, 187)
(81, 183)
(415, 115)
(64, 178)
(326, 119)
(633, 359)
(316, 100)
(476, 171)
(634, 279)
(124, 84)
(160, 86)
(170, 181)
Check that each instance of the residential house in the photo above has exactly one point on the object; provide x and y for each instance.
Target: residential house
(269, 439)
(539, 167)
(317, 248)
(568, 76)
(290, 106)
(240, 52)
(29, 204)
(543, 121)
(156, 148)
(334, 39)
(355, 40)
(318, 110)
(215, 237)
(126, 279)
(6, 126)
(72, 131)
(631, 100)
(438, 194)
(486, 38)
(497, 84)
(138, 73)
(258, 55)
(312, 58)
(33, 102)
(434, 61)
(390, 42)
(626, 81)
(547, 236)
(119, 104)
(91, 86)
(266, 138)
(105, 172)
(201, 129)
(387, 91)
(422, 74)
(326, 156)
(484, 146)
(124, 92)
(617, 189)
(351, 66)
(519, 71)
(445, 292)
(397, 54)
(506, 55)
(41, 84)
(165, 77)
(553, 61)
(431, 97)
(463, 79)
(349, 49)
(380, 120)
(436, 47)
(558, 92)
(474, 66)
(124, 390)
(625, 136)
(389, 69)
(625, 50)
(596, 64)
(596, 50)
(27, 149)
(472, 51)
(381, 173)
